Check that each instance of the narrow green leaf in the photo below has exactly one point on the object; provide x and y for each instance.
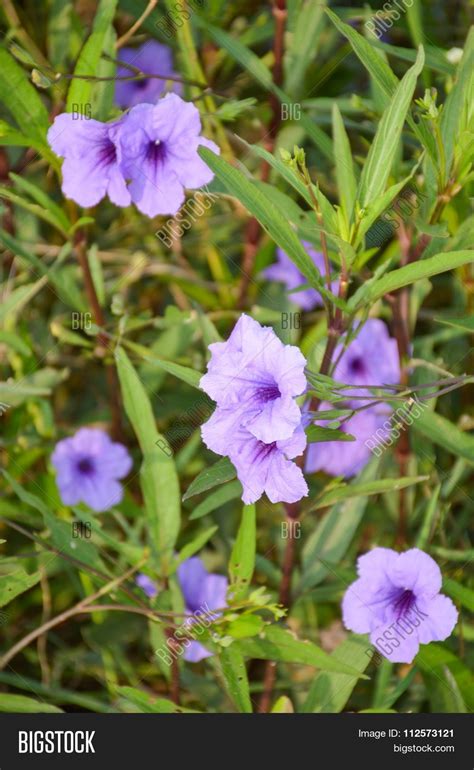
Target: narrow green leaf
(21, 704)
(330, 540)
(345, 174)
(384, 146)
(416, 271)
(22, 99)
(363, 490)
(459, 593)
(159, 479)
(15, 584)
(442, 432)
(242, 558)
(220, 472)
(276, 643)
(269, 217)
(235, 677)
(216, 499)
(316, 434)
(80, 91)
(330, 692)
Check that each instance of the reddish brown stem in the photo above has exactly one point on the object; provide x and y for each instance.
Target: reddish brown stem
(253, 229)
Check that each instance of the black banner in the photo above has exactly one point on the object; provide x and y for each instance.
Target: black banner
(129, 741)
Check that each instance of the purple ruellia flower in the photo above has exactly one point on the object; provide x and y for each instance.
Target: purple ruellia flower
(152, 58)
(258, 377)
(370, 359)
(397, 600)
(203, 592)
(88, 467)
(255, 379)
(261, 467)
(91, 153)
(285, 271)
(159, 144)
(147, 585)
(347, 458)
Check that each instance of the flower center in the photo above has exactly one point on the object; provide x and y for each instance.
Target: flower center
(108, 153)
(142, 84)
(86, 466)
(269, 392)
(357, 365)
(404, 602)
(156, 152)
(263, 450)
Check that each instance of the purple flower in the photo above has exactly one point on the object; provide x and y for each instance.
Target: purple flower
(370, 359)
(91, 153)
(257, 377)
(159, 145)
(202, 593)
(347, 458)
(88, 465)
(152, 58)
(285, 271)
(147, 585)
(397, 600)
(261, 467)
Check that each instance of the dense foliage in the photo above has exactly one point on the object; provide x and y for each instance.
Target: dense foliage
(236, 351)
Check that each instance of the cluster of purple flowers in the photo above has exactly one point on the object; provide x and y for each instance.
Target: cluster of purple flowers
(148, 156)
(254, 379)
(88, 466)
(397, 600)
(203, 593)
(371, 359)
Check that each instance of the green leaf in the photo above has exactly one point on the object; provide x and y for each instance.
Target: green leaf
(330, 692)
(33, 208)
(384, 146)
(363, 490)
(382, 74)
(80, 91)
(442, 432)
(276, 643)
(303, 45)
(411, 273)
(345, 174)
(39, 196)
(196, 544)
(434, 659)
(20, 297)
(22, 99)
(15, 584)
(269, 217)
(184, 373)
(460, 593)
(20, 704)
(159, 479)
(330, 540)
(242, 558)
(260, 72)
(216, 499)
(235, 677)
(316, 434)
(146, 704)
(466, 323)
(219, 473)
(61, 530)
(453, 115)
